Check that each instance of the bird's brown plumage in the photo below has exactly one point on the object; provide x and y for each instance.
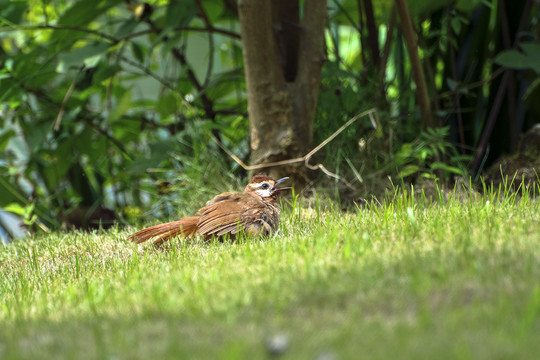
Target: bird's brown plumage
(255, 211)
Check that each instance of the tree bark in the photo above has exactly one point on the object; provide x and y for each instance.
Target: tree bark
(283, 56)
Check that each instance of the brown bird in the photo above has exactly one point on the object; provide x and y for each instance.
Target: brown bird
(254, 212)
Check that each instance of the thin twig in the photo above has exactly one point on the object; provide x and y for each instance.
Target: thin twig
(232, 34)
(372, 113)
(150, 73)
(58, 121)
(473, 85)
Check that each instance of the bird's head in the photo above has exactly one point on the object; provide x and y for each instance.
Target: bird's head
(265, 186)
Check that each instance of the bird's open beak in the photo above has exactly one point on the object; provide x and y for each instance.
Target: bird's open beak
(276, 190)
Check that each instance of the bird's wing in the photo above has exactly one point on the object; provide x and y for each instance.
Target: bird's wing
(221, 197)
(228, 215)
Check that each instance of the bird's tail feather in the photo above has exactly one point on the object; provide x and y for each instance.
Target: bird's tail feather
(184, 227)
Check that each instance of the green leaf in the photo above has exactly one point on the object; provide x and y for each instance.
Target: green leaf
(4, 139)
(172, 42)
(532, 50)
(445, 167)
(452, 84)
(29, 209)
(83, 12)
(56, 163)
(126, 28)
(88, 55)
(167, 105)
(405, 152)
(139, 166)
(408, 170)
(81, 181)
(160, 150)
(514, 59)
(184, 86)
(139, 51)
(106, 71)
(180, 13)
(456, 24)
(126, 129)
(15, 208)
(121, 108)
(213, 9)
(532, 96)
(12, 11)
(9, 193)
(30, 220)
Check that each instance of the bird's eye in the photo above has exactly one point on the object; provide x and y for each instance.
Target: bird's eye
(265, 186)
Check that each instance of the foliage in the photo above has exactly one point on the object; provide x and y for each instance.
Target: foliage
(425, 155)
(114, 104)
(406, 278)
(458, 44)
(470, 92)
(529, 59)
(102, 106)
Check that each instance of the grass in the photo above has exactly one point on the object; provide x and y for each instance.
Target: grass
(406, 279)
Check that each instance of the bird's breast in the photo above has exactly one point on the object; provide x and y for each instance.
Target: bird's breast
(265, 222)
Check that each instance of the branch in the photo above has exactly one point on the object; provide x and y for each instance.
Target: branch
(231, 112)
(473, 85)
(63, 28)
(150, 73)
(181, 28)
(105, 133)
(115, 40)
(207, 103)
(203, 14)
(179, 56)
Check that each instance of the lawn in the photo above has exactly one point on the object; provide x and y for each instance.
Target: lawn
(406, 279)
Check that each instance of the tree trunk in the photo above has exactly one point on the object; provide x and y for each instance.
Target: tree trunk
(409, 35)
(283, 56)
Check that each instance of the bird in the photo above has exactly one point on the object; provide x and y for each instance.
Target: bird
(255, 212)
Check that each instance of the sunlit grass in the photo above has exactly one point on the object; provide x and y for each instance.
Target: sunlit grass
(404, 279)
